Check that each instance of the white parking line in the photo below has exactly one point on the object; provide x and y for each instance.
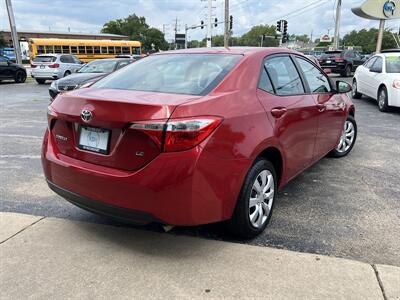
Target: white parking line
(21, 156)
(21, 136)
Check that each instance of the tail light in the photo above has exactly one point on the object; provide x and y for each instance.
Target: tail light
(54, 66)
(339, 59)
(51, 115)
(179, 134)
(33, 66)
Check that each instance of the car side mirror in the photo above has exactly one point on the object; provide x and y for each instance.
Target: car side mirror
(342, 87)
(375, 69)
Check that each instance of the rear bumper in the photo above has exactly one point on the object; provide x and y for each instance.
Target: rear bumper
(45, 75)
(190, 187)
(124, 215)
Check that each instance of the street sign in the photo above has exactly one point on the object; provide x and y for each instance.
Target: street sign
(325, 38)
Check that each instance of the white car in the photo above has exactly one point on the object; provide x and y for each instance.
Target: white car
(379, 78)
(54, 66)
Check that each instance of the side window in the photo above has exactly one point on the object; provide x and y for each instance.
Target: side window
(284, 76)
(3, 61)
(104, 50)
(122, 64)
(74, 49)
(350, 54)
(75, 60)
(265, 83)
(370, 62)
(64, 59)
(317, 81)
(378, 64)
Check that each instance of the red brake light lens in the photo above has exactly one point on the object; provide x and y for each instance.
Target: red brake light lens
(179, 134)
(53, 66)
(339, 59)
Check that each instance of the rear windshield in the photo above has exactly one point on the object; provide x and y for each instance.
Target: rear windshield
(331, 54)
(393, 64)
(193, 74)
(44, 59)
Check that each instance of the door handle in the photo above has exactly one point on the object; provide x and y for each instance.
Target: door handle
(321, 107)
(278, 112)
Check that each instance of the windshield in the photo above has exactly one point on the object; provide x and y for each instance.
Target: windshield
(99, 66)
(393, 64)
(193, 74)
(44, 59)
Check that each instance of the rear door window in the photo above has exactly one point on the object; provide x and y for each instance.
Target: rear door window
(265, 82)
(284, 76)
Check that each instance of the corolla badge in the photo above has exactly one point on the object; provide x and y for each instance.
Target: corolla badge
(86, 115)
(388, 8)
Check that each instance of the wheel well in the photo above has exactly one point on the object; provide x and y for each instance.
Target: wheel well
(275, 157)
(381, 86)
(351, 111)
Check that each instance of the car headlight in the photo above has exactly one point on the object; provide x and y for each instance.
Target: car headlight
(54, 85)
(84, 85)
(396, 84)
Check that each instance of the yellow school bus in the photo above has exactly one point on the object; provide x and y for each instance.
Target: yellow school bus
(85, 50)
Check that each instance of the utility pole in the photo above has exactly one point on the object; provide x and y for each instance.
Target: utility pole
(337, 25)
(226, 30)
(380, 36)
(176, 31)
(14, 35)
(209, 23)
(186, 38)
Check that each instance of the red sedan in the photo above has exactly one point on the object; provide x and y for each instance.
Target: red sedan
(196, 136)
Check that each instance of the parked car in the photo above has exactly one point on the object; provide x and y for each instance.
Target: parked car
(54, 66)
(343, 62)
(10, 70)
(196, 136)
(379, 78)
(87, 74)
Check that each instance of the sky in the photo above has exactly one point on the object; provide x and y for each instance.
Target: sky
(88, 16)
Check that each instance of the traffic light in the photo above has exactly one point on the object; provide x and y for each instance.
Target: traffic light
(285, 37)
(230, 22)
(215, 22)
(278, 26)
(202, 23)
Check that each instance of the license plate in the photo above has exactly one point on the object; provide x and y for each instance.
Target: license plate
(94, 139)
(42, 67)
(328, 61)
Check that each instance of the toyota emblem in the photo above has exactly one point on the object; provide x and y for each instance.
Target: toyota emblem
(86, 115)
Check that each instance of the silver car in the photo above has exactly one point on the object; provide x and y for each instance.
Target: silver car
(54, 66)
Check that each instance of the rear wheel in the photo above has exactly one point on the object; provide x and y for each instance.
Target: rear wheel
(354, 90)
(383, 99)
(41, 81)
(20, 77)
(67, 73)
(347, 71)
(255, 203)
(347, 139)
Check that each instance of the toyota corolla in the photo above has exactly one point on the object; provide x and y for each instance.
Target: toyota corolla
(196, 136)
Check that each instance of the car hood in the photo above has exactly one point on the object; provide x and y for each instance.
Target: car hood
(80, 78)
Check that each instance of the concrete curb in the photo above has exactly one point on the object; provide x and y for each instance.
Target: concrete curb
(57, 258)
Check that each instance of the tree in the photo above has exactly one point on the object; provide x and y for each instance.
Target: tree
(137, 29)
(3, 42)
(367, 39)
(253, 36)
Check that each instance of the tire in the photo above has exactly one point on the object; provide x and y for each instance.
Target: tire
(347, 140)
(67, 73)
(20, 77)
(347, 71)
(383, 100)
(241, 223)
(41, 81)
(354, 93)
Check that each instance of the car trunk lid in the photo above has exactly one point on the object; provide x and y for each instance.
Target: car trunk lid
(107, 138)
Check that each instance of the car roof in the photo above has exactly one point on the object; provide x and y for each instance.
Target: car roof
(231, 50)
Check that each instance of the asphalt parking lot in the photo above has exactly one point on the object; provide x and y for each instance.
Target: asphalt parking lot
(347, 207)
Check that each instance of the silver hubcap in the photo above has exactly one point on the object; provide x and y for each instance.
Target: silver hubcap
(347, 138)
(261, 198)
(382, 99)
